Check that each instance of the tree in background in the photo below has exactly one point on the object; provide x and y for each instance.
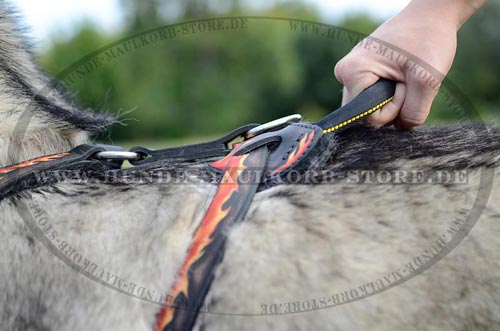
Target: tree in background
(209, 82)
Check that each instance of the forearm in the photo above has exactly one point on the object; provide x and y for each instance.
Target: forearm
(452, 12)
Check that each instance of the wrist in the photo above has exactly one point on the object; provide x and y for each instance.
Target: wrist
(467, 8)
(452, 13)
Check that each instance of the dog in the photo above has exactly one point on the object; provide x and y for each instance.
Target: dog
(360, 245)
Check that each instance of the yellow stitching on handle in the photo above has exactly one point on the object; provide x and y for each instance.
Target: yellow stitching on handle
(369, 111)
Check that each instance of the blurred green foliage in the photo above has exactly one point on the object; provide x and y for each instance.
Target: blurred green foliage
(201, 82)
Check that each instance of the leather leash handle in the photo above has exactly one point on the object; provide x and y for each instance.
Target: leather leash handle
(370, 100)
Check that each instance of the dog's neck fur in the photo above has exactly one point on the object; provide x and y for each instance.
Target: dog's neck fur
(35, 117)
(27, 132)
(36, 141)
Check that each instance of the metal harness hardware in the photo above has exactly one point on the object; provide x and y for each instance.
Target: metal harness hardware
(267, 151)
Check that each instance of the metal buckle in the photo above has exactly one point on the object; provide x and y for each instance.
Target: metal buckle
(273, 125)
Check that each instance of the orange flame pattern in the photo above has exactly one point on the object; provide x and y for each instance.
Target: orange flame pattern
(223, 163)
(31, 162)
(203, 236)
(297, 153)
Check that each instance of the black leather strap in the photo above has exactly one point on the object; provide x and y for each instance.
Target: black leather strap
(215, 148)
(41, 171)
(368, 101)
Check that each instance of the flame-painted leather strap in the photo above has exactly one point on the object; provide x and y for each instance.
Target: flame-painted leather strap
(249, 164)
(242, 175)
(289, 146)
(40, 171)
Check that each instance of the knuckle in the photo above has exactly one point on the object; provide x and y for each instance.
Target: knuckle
(338, 71)
(345, 68)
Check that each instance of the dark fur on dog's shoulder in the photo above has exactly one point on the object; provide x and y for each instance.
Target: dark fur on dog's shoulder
(363, 147)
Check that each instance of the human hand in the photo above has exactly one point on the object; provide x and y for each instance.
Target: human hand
(415, 48)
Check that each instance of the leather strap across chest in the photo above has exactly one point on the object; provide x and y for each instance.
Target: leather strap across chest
(254, 162)
(243, 168)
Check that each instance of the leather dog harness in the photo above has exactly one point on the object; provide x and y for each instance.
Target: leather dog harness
(266, 153)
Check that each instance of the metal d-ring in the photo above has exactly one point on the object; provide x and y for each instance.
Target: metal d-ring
(273, 125)
(117, 155)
